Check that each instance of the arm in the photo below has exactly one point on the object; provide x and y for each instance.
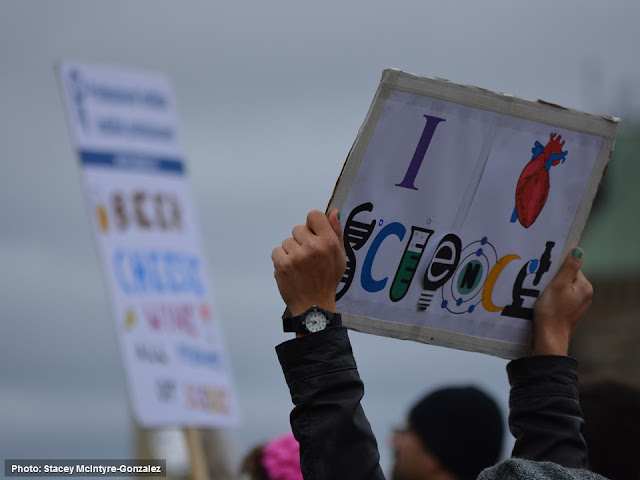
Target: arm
(545, 416)
(335, 437)
(328, 421)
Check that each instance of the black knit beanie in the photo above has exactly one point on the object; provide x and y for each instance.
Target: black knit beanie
(461, 427)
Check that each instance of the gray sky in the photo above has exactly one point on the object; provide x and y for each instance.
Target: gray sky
(270, 97)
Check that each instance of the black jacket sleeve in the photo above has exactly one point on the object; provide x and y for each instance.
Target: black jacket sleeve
(336, 441)
(544, 410)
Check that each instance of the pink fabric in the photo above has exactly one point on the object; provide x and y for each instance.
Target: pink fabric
(281, 458)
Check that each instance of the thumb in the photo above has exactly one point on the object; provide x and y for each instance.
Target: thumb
(334, 221)
(569, 270)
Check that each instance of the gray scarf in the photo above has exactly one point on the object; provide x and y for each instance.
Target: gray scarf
(519, 469)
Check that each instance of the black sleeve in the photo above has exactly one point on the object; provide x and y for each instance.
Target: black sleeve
(544, 410)
(336, 441)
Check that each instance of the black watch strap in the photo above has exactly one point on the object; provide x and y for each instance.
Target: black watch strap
(293, 324)
(296, 324)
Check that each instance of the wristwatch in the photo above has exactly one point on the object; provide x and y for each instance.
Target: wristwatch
(313, 320)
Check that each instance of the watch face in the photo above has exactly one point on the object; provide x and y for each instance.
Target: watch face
(315, 321)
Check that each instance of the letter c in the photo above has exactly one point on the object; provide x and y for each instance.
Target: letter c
(495, 272)
(367, 281)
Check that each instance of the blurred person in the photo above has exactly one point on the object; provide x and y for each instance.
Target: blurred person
(278, 459)
(453, 432)
(335, 436)
(611, 409)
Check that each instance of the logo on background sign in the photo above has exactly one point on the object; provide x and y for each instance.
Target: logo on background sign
(86, 90)
(78, 96)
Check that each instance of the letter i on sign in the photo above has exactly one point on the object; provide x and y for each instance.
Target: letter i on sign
(421, 150)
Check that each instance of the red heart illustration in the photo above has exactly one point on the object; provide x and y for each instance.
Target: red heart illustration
(533, 185)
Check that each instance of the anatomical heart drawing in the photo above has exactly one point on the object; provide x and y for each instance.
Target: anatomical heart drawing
(534, 182)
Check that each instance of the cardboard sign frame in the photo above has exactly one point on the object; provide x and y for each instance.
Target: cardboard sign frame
(540, 111)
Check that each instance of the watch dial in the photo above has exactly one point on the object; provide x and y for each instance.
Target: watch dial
(315, 322)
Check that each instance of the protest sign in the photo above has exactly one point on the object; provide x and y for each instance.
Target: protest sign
(458, 205)
(135, 179)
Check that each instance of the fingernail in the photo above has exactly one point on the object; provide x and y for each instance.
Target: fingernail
(338, 215)
(577, 253)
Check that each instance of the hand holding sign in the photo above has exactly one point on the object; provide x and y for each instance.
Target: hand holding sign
(309, 265)
(561, 307)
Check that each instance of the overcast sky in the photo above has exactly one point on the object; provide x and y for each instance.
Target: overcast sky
(270, 97)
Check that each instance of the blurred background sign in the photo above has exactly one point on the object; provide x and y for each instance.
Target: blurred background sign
(125, 131)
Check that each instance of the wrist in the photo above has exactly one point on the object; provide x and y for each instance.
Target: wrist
(553, 345)
(298, 308)
(312, 320)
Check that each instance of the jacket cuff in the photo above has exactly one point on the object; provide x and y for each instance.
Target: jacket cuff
(316, 354)
(558, 373)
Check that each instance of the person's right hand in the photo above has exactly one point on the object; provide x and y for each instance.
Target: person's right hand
(561, 307)
(309, 265)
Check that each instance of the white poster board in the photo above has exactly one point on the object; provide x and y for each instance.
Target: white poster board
(458, 205)
(125, 132)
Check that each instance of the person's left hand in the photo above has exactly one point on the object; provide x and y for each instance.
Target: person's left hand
(560, 308)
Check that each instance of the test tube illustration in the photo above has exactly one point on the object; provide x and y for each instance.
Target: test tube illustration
(409, 262)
